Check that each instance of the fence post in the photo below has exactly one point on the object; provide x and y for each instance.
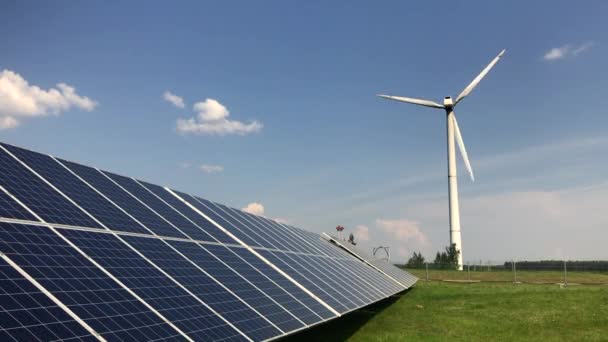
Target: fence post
(565, 274)
(427, 270)
(514, 271)
(469, 271)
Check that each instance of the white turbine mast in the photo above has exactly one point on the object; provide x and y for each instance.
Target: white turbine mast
(453, 132)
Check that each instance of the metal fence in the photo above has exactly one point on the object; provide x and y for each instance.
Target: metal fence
(532, 272)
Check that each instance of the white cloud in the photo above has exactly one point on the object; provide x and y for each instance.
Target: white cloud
(254, 208)
(582, 48)
(212, 119)
(8, 122)
(19, 99)
(557, 53)
(185, 165)
(361, 233)
(566, 50)
(281, 220)
(177, 101)
(211, 168)
(403, 230)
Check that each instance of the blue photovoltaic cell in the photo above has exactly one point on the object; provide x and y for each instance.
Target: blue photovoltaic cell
(204, 287)
(215, 213)
(9, 208)
(237, 284)
(38, 196)
(269, 286)
(313, 241)
(27, 314)
(309, 280)
(207, 232)
(348, 272)
(336, 277)
(262, 228)
(78, 191)
(279, 232)
(405, 278)
(125, 201)
(211, 229)
(172, 301)
(263, 237)
(385, 285)
(396, 273)
(347, 289)
(371, 283)
(160, 207)
(87, 291)
(285, 284)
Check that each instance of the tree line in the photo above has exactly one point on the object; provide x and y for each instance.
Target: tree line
(447, 259)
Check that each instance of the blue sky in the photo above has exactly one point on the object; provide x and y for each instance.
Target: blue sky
(326, 151)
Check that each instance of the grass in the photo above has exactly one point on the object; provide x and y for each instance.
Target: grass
(440, 311)
(547, 277)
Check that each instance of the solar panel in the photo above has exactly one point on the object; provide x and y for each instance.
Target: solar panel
(36, 194)
(87, 254)
(90, 293)
(27, 314)
(398, 275)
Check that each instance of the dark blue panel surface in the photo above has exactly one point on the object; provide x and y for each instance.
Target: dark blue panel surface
(204, 287)
(344, 276)
(326, 292)
(87, 291)
(210, 262)
(360, 279)
(384, 284)
(236, 228)
(159, 206)
(208, 232)
(176, 304)
(263, 236)
(38, 196)
(27, 314)
(9, 208)
(349, 293)
(285, 284)
(279, 233)
(129, 204)
(209, 227)
(78, 191)
(263, 281)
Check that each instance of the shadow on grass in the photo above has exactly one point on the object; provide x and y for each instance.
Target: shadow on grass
(340, 329)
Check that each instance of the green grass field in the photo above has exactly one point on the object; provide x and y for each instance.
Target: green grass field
(440, 311)
(546, 277)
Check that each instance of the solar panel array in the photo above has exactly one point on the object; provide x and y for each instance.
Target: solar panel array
(390, 270)
(87, 254)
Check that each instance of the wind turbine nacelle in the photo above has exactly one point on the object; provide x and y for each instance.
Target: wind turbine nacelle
(448, 102)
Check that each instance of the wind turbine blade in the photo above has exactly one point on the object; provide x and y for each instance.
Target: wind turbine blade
(479, 77)
(421, 102)
(463, 150)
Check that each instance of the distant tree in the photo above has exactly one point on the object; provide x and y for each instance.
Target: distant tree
(447, 259)
(452, 254)
(416, 261)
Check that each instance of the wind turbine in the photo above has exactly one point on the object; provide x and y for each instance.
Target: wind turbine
(453, 132)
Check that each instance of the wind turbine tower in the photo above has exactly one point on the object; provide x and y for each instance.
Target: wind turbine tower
(453, 132)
